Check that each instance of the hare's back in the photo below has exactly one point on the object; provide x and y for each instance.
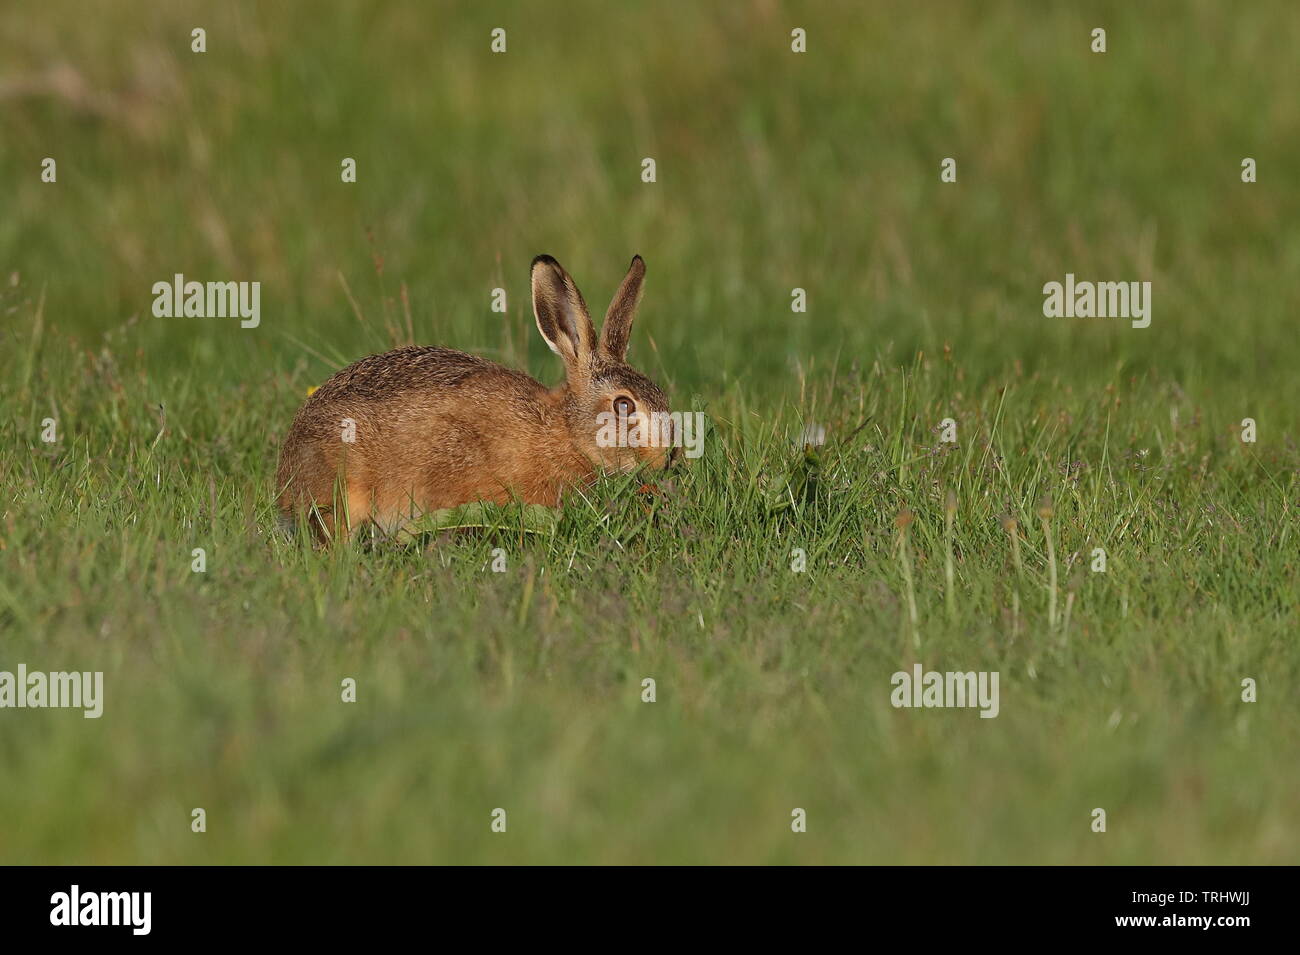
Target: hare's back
(394, 374)
(403, 394)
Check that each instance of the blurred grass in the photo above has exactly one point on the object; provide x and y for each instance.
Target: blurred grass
(521, 690)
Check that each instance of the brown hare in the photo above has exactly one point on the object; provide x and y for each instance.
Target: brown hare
(423, 428)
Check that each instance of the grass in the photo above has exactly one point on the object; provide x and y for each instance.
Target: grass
(523, 689)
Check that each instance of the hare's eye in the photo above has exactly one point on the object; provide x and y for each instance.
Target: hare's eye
(624, 406)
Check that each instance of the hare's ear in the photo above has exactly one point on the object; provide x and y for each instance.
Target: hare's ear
(617, 329)
(561, 315)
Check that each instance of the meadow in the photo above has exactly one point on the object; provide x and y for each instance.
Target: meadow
(1120, 689)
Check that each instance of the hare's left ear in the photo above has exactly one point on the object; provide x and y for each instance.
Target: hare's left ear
(562, 316)
(617, 330)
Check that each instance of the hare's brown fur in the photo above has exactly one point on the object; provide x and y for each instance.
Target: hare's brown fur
(435, 428)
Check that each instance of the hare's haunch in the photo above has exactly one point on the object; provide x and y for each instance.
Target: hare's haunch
(423, 428)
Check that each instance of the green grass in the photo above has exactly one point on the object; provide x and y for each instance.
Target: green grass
(522, 689)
